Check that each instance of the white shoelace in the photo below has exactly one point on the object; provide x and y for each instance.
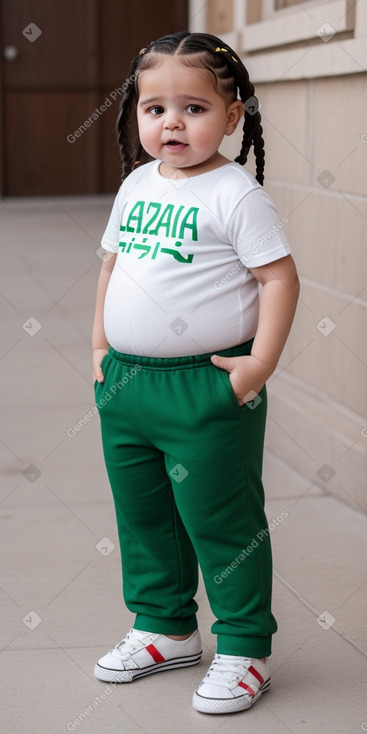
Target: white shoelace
(231, 672)
(127, 647)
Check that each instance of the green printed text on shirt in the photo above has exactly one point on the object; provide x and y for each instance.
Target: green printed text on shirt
(168, 222)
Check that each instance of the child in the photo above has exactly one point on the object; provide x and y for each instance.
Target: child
(182, 348)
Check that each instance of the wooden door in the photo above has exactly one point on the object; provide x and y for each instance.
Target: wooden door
(63, 66)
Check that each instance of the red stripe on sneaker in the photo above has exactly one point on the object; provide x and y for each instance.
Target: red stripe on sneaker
(156, 655)
(247, 688)
(256, 674)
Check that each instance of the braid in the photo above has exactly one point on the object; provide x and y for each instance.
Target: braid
(123, 126)
(126, 125)
(252, 130)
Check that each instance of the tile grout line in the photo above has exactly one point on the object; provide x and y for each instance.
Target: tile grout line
(314, 611)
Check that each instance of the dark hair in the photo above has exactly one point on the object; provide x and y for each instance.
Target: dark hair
(229, 75)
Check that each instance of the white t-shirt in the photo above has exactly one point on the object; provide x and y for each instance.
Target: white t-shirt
(181, 284)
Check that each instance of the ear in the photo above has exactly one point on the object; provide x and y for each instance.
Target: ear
(234, 113)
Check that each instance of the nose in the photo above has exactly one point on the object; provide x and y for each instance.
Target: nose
(172, 121)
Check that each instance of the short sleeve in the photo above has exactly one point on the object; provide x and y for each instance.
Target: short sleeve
(111, 236)
(255, 230)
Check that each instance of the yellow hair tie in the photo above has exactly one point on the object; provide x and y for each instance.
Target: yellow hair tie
(142, 51)
(226, 51)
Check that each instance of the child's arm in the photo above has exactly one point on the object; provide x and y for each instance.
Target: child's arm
(100, 344)
(278, 303)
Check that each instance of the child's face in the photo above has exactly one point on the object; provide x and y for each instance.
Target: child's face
(179, 103)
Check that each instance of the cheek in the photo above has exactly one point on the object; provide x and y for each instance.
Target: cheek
(204, 137)
(149, 138)
(145, 130)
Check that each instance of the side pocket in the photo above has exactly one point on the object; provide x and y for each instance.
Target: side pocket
(227, 391)
(96, 383)
(250, 405)
(231, 392)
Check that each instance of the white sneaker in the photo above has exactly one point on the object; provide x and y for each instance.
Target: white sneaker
(142, 653)
(231, 684)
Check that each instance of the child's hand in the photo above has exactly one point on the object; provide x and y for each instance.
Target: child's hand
(98, 355)
(247, 375)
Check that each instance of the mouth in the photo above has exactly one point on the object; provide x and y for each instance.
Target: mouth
(175, 145)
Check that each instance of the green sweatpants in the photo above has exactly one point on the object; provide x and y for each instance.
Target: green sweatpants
(184, 462)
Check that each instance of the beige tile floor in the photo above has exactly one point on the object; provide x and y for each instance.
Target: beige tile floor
(61, 598)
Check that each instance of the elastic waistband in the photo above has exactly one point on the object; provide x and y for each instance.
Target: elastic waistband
(178, 363)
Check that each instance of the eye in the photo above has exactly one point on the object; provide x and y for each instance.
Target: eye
(156, 110)
(194, 109)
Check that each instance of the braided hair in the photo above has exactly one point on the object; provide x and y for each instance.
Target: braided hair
(230, 78)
